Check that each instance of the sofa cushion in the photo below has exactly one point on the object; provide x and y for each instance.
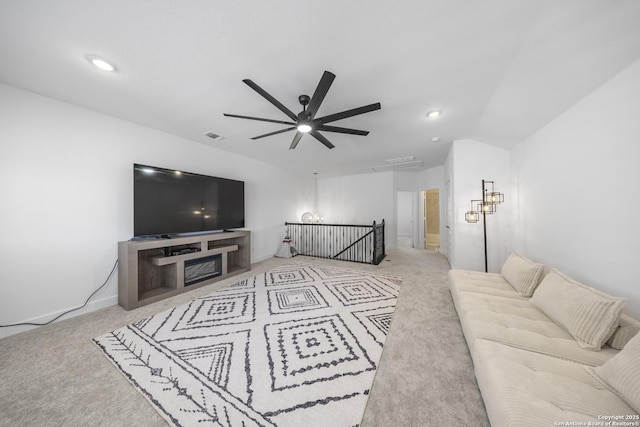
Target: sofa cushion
(524, 388)
(481, 283)
(589, 315)
(622, 373)
(518, 323)
(522, 273)
(628, 328)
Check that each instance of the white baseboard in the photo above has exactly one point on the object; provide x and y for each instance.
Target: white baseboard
(260, 258)
(92, 306)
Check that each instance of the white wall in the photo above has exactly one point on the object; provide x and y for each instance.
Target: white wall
(362, 199)
(356, 199)
(67, 199)
(359, 199)
(469, 163)
(578, 182)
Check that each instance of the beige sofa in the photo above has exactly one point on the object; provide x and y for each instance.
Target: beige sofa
(547, 350)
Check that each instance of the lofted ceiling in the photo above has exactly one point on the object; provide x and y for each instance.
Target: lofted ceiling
(498, 69)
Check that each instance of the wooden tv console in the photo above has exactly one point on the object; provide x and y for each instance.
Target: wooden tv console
(147, 271)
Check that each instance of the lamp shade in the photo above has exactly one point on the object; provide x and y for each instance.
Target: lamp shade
(487, 208)
(494, 198)
(471, 216)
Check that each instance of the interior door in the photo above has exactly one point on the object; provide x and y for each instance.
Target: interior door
(423, 205)
(405, 218)
(449, 249)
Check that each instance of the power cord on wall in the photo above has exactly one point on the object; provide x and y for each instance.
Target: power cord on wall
(68, 311)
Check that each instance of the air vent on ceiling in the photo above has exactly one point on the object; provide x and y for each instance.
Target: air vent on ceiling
(214, 136)
(408, 162)
(401, 159)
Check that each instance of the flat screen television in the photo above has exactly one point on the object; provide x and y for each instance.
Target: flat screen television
(170, 202)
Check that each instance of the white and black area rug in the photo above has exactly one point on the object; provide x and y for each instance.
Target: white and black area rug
(296, 346)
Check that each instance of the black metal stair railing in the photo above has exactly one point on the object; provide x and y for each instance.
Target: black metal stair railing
(346, 242)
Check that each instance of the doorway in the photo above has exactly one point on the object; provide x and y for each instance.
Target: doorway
(431, 218)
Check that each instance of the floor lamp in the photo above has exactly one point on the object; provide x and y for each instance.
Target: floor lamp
(485, 206)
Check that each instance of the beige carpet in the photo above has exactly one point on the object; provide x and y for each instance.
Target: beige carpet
(55, 376)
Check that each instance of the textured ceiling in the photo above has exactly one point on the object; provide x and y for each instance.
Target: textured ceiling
(498, 69)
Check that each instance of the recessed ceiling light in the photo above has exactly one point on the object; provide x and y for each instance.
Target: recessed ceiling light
(433, 114)
(101, 63)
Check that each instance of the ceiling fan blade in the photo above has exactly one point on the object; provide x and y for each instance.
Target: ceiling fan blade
(320, 93)
(343, 130)
(296, 139)
(271, 99)
(274, 133)
(350, 113)
(258, 118)
(317, 135)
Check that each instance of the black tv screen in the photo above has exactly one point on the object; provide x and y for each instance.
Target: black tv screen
(169, 202)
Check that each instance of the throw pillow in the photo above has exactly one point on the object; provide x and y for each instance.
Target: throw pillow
(629, 328)
(522, 274)
(589, 315)
(622, 373)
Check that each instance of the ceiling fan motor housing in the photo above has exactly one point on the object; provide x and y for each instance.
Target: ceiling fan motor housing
(303, 116)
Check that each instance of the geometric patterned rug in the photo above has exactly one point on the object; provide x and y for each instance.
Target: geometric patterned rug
(296, 346)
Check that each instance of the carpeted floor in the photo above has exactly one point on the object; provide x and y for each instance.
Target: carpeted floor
(55, 376)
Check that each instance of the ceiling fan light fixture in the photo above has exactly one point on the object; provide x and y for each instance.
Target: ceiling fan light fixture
(304, 128)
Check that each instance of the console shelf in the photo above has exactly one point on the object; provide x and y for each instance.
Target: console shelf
(164, 260)
(148, 273)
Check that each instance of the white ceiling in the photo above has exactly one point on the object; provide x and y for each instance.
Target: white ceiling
(498, 69)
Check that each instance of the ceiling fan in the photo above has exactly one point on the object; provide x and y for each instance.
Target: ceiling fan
(306, 121)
